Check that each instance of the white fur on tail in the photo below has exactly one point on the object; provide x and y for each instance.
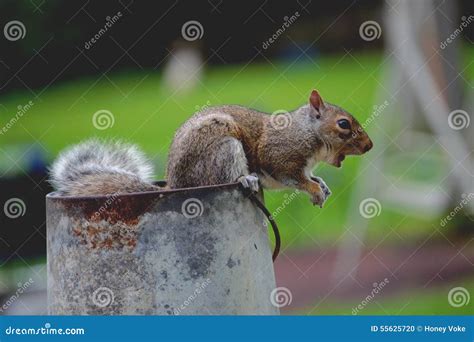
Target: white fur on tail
(95, 157)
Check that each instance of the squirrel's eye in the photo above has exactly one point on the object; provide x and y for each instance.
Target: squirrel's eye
(344, 124)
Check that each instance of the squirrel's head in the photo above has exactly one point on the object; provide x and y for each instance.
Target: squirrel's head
(339, 131)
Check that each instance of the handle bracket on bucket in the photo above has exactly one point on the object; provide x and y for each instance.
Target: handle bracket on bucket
(248, 192)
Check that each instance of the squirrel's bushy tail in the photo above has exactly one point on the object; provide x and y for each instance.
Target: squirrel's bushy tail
(96, 167)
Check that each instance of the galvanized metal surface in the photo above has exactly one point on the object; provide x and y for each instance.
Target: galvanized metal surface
(183, 252)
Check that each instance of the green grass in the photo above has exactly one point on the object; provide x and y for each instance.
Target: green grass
(150, 114)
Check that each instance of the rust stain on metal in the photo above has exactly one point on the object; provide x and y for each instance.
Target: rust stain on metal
(112, 209)
(116, 236)
(112, 222)
(126, 208)
(108, 222)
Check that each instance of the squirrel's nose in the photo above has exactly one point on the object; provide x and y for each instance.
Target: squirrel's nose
(368, 146)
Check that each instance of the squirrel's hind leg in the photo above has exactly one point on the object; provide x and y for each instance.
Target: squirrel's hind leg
(231, 164)
(230, 159)
(219, 162)
(249, 182)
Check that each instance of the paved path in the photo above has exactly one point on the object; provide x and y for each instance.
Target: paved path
(309, 275)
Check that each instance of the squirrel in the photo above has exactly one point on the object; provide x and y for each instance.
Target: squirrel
(223, 144)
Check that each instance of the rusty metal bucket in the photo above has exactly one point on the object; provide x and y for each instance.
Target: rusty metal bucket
(174, 252)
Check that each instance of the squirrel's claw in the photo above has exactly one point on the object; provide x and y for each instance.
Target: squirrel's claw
(249, 182)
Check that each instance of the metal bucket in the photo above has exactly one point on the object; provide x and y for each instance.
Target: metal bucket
(174, 252)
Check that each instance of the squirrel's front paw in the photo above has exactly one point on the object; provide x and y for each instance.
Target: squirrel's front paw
(249, 182)
(323, 186)
(319, 197)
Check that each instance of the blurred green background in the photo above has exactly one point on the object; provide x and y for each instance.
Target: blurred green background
(147, 112)
(150, 114)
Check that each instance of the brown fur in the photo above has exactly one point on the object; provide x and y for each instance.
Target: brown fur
(221, 143)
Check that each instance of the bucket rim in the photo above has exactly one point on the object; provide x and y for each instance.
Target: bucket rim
(54, 195)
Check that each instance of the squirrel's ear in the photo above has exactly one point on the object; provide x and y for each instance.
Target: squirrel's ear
(316, 101)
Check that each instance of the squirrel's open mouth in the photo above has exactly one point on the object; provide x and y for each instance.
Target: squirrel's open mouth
(339, 160)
